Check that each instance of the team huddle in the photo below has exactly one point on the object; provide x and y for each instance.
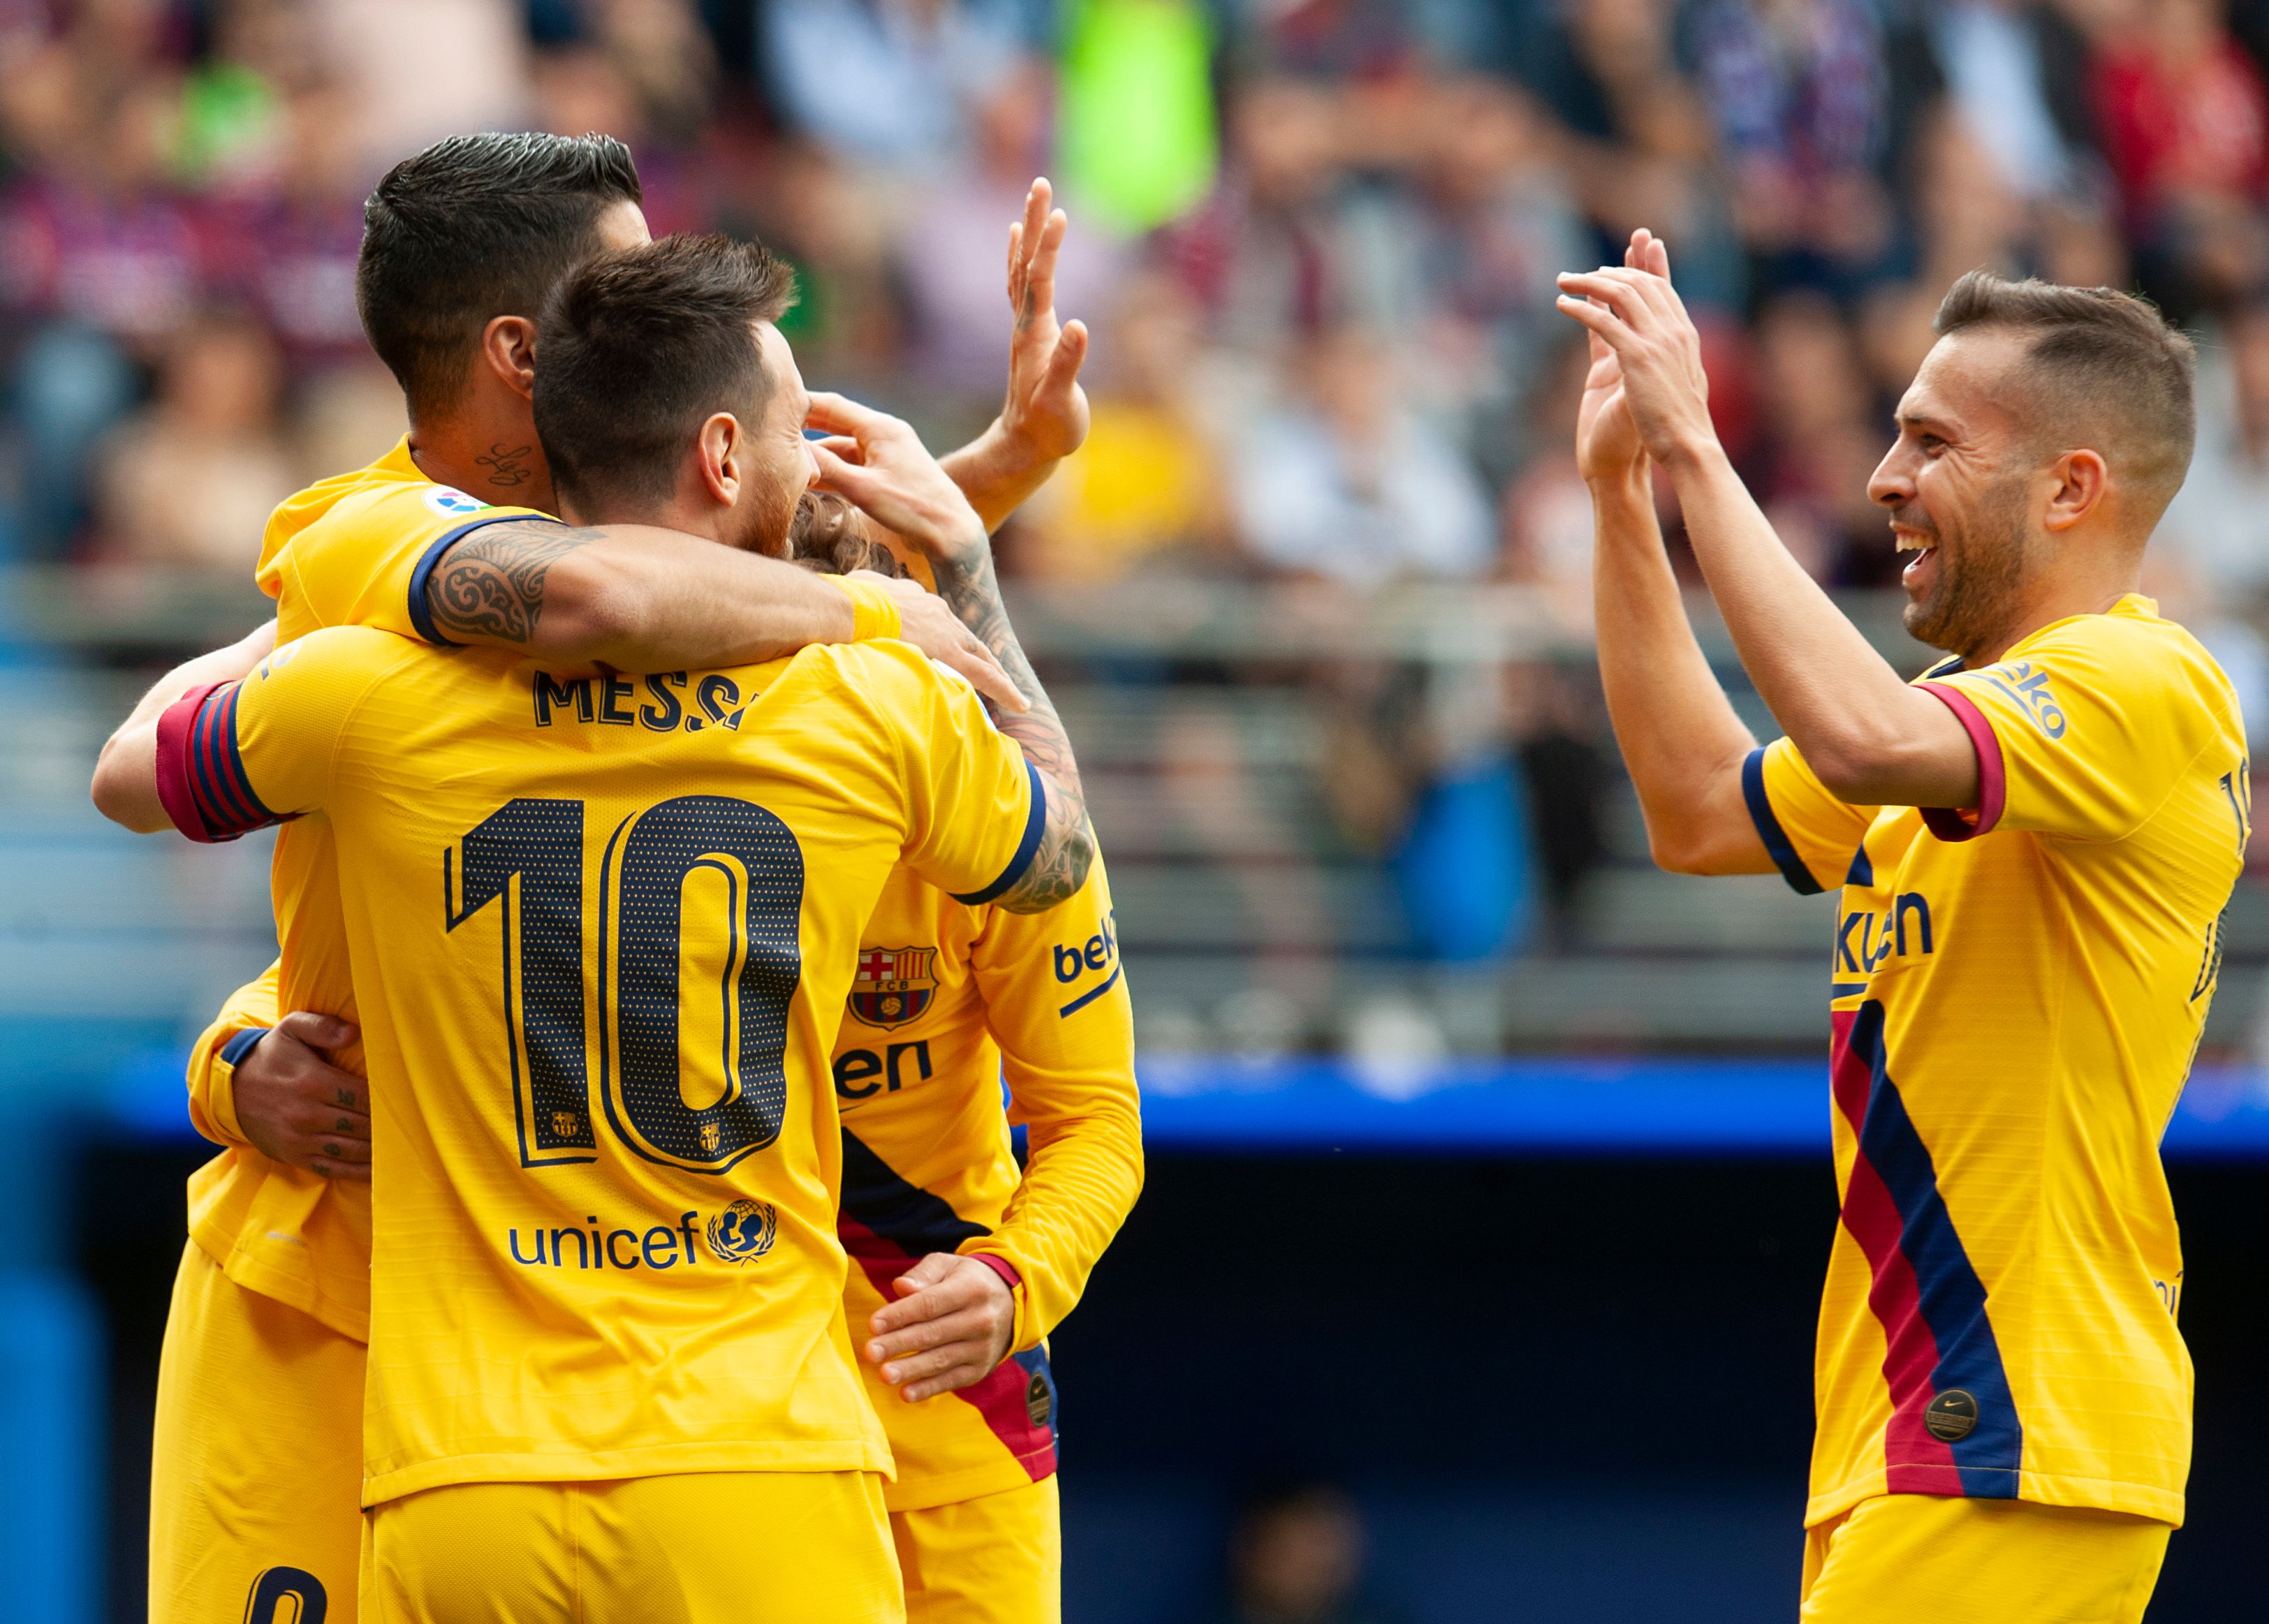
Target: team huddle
(686, 927)
(668, 884)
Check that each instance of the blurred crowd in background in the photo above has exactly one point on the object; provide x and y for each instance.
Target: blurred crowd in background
(1315, 240)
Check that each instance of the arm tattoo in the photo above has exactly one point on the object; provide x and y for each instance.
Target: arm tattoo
(488, 587)
(1066, 844)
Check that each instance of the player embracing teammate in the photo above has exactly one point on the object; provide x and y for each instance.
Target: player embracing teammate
(607, 1352)
(2035, 841)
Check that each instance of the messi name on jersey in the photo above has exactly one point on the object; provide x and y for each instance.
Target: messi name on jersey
(893, 985)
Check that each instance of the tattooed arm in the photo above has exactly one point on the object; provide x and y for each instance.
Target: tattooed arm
(879, 463)
(638, 598)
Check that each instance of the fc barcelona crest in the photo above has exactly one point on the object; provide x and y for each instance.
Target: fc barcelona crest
(893, 985)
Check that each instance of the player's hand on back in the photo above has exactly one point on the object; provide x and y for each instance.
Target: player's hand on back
(926, 622)
(296, 1107)
(950, 1327)
(1045, 414)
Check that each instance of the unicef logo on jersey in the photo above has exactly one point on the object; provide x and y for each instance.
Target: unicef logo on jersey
(451, 503)
(744, 1231)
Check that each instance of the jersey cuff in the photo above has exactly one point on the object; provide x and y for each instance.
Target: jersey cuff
(201, 778)
(420, 616)
(220, 1086)
(1001, 1267)
(1992, 773)
(1035, 823)
(874, 612)
(1778, 846)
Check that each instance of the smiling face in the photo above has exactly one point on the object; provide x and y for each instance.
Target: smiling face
(1961, 484)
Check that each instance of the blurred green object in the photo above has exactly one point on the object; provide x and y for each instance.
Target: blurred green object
(1139, 144)
(228, 112)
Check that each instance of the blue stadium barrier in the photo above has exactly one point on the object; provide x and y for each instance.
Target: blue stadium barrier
(1529, 1104)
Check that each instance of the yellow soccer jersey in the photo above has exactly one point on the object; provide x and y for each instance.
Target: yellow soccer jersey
(350, 549)
(601, 931)
(948, 1001)
(2017, 994)
(353, 549)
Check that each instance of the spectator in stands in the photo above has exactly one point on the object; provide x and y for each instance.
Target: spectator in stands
(1146, 487)
(2218, 524)
(887, 82)
(1342, 480)
(1799, 89)
(2185, 122)
(189, 480)
(1296, 1557)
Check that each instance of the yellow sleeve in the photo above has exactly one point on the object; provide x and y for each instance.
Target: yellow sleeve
(249, 1014)
(1056, 1003)
(975, 808)
(237, 757)
(2083, 736)
(366, 561)
(1811, 835)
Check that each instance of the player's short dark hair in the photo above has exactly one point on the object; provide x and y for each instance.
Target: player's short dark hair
(472, 228)
(2109, 370)
(640, 347)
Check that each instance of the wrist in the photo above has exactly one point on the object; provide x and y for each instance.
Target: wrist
(1629, 482)
(1692, 452)
(874, 612)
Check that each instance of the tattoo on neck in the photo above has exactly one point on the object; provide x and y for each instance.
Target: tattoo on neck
(507, 465)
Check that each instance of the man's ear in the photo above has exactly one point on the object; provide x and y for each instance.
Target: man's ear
(2082, 481)
(720, 452)
(508, 347)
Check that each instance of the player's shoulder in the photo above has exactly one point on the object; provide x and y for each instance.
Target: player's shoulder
(340, 652)
(2130, 654)
(883, 670)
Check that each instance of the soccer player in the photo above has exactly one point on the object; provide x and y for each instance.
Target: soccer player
(609, 1367)
(947, 999)
(2035, 840)
(256, 1466)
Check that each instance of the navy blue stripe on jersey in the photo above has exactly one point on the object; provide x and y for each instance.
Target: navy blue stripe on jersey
(1777, 844)
(222, 788)
(421, 616)
(906, 1216)
(1862, 871)
(243, 1043)
(1035, 821)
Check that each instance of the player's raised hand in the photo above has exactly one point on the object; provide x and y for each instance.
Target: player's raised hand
(296, 1107)
(1607, 446)
(926, 622)
(1633, 310)
(1046, 413)
(950, 1327)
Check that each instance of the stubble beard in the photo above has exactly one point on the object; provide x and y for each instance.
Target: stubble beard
(1981, 576)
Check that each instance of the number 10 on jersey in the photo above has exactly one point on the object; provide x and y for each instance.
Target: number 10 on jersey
(732, 856)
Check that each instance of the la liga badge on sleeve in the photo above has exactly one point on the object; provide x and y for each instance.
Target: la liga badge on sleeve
(893, 985)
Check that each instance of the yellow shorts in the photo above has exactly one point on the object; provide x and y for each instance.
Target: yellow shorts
(997, 1559)
(1900, 1558)
(751, 1548)
(255, 1467)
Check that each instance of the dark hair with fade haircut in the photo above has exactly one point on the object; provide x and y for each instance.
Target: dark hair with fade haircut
(640, 347)
(2105, 362)
(472, 228)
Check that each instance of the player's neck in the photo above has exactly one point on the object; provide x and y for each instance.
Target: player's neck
(489, 455)
(2092, 593)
